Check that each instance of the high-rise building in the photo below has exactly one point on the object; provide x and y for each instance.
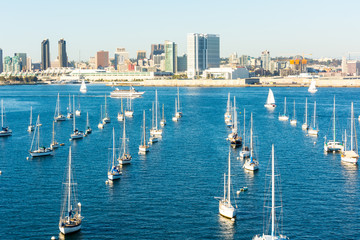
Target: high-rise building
(203, 51)
(170, 57)
(28, 64)
(140, 55)
(45, 54)
(120, 56)
(1, 61)
(245, 60)
(157, 58)
(156, 49)
(265, 60)
(63, 60)
(102, 59)
(12, 64)
(182, 63)
(22, 57)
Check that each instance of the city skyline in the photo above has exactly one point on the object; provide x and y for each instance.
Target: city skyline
(283, 28)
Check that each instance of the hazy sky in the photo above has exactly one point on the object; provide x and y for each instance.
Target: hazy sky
(323, 28)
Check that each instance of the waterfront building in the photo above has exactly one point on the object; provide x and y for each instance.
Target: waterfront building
(45, 54)
(1, 61)
(102, 59)
(156, 49)
(265, 60)
(140, 54)
(63, 60)
(120, 57)
(22, 60)
(203, 51)
(182, 63)
(170, 57)
(226, 73)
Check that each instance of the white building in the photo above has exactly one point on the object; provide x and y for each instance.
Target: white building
(226, 73)
(121, 55)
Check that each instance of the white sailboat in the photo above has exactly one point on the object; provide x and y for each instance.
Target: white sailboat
(293, 121)
(31, 126)
(54, 144)
(305, 125)
(124, 155)
(120, 116)
(275, 234)
(153, 138)
(114, 172)
(312, 88)
(76, 133)
(227, 115)
(284, 117)
(234, 137)
(129, 112)
(35, 149)
(78, 111)
(106, 119)
(351, 155)
(88, 128)
(70, 218)
(83, 88)
(270, 101)
(245, 152)
(101, 124)
(251, 164)
(333, 145)
(178, 113)
(143, 148)
(58, 116)
(226, 209)
(5, 131)
(70, 113)
(155, 131)
(163, 120)
(313, 130)
(175, 118)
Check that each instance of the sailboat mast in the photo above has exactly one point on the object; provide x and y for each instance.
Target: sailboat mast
(38, 136)
(105, 107)
(314, 114)
(229, 179)
(345, 142)
(334, 120)
(251, 135)
(306, 117)
(178, 95)
(74, 115)
(285, 107)
(156, 110)
(272, 194)
(144, 134)
(113, 156)
(53, 133)
(69, 184)
(175, 106)
(30, 115)
(294, 111)
(152, 115)
(124, 138)
(224, 186)
(121, 105)
(87, 119)
(244, 129)
(352, 127)
(235, 115)
(2, 113)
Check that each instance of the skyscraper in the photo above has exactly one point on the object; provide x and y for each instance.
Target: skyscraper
(102, 59)
(140, 55)
(45, 54)
(156, 49)
(265, 60)
(120, 56)
(22, 60)
(1, 60)
(63, 60)
(203, 51)
(170, 57)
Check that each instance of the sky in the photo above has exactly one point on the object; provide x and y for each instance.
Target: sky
(285, 28)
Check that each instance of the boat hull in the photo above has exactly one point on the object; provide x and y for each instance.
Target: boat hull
(114, 176)
(37, 153)
(100, 125)
(304, 127)
(31, 128)
(293, 122)
(333, 147)
(269, 237)
(251, 166)
(350, 157)
(129, 113)
(227, 210)
(156, 132)
(313, 132)
(283, 118)
(60, 118)
(175, 119)
(5, 133)
(143, 149)
(270, 106)
(120, 117)
(69, 229)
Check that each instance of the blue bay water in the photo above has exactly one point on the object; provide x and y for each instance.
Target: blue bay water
(169, 193)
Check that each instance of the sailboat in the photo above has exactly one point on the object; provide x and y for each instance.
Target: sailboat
(31, 126)
(120, 116)
(178, 113)
(351, 155)
(270, 101)
(88, 128)
(293, 121)
(129, 112)
(284, 117)
(226, 209)
(54, 144)
(163, 120)
(35, 149)
(143, 148)
(106, 119)
(83, 88)
(58, 116)
(78, 111)
(234, 138)
(76, 133)
(227, 115)
(305, 125)
(312, 87)
(153, 138)
(155, 131)
(70, 114)
(245, 152)
(274, 235)
(175, 118)
(114, 171)
(313, 130)
(101, 124)
(251, 164)
(124, 155)
(70, 218)
(333, 145)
